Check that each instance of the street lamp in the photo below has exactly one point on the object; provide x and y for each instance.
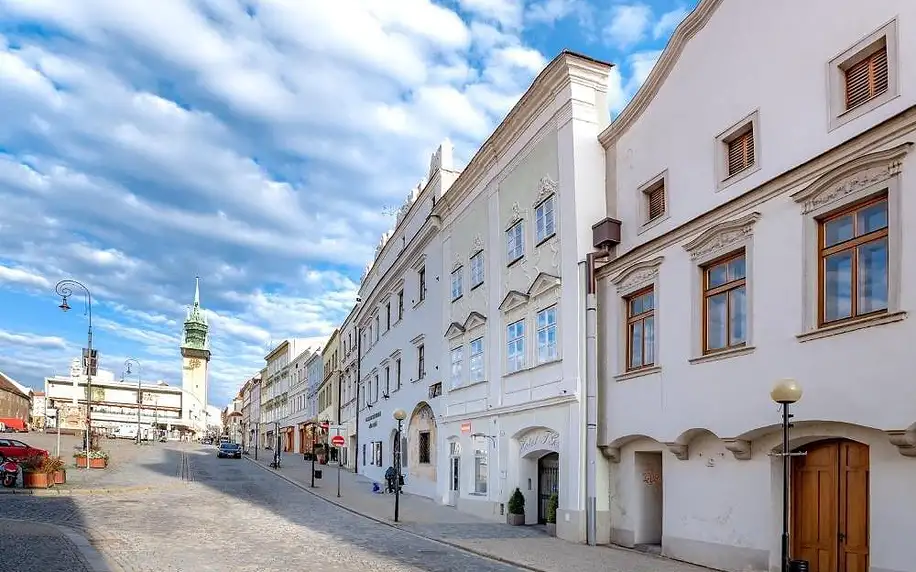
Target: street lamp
(64, 289)
(127, 363)
(785, 393)
(400, 415)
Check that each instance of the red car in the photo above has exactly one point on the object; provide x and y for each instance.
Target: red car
(13, 449)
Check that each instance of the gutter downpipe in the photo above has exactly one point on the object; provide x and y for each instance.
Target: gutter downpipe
(359, 382)
(591, 396)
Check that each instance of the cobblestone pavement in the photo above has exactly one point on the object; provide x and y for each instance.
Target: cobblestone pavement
(227, 514)
(19, 549)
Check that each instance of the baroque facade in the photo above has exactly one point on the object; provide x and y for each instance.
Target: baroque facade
(763, 237)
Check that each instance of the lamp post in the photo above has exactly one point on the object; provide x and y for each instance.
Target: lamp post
(785, 393)
(127, 363)
(400, 415)
(64, 289)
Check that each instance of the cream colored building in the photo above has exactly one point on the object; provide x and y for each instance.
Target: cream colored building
(275, 384)
(328, 391)
(349, 375)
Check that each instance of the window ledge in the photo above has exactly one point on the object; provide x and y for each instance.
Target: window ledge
(724, 354)
(417, 304)
(649, 225)
(851, 326)
(740, 175)
(643, 371)
(466, 385)
(532, 367)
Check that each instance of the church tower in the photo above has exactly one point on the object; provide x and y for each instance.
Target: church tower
(195, 362)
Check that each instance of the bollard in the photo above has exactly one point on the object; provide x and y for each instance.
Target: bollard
(318, 476)
(798, 566)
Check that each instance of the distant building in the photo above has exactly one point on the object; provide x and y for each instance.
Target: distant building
(14, 404)
(38, 409)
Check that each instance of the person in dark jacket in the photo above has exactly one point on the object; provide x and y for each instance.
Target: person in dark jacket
(391, 477)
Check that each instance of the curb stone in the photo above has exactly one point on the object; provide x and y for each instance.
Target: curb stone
(52, 492)
(92, 557)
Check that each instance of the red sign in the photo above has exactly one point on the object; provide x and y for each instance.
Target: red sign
(466, 427)
(325, 424)
(338, 440)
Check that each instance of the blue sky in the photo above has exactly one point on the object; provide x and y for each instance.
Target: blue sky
(255, 143)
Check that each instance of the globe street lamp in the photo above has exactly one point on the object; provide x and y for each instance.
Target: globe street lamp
(400, 415)
(64, 289)
(127, 363)
(785, 393)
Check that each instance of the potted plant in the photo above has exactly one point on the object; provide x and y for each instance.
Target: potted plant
(57, 470)
(516, 515)
(36, 473)
(97, 459)
(552, 504)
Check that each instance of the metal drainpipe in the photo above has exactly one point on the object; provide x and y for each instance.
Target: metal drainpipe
(591, 396)
(359, 351)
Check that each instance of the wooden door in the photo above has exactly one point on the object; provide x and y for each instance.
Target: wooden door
(830, 507)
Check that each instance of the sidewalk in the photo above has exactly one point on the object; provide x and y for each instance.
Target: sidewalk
(525, 546)
(47, 547)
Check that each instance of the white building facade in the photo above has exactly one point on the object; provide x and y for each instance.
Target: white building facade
(298, 399)
(275, 385)
(513, 240)
(349, 382)
(399, 321)
(764, 236)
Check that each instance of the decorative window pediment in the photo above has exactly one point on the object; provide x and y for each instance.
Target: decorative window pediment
(860, 173)
(474, 320)
(721, 238)
(418, 340)
(513, 300)
(543, 282)
(546, 187)
(516, 214)
(457, 263)
(477, 246)
(454, 330)
(638, 275)
(419, 262)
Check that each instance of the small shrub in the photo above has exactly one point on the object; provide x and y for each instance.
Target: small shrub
(552, 503)
(517, 502)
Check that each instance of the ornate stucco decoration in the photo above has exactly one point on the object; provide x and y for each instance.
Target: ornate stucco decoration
(722, 237)
(474, 320)
(638, 275)
(904, 440)
(679, 450)
(860, 173)
(513, 300)
(546, 187)
(454, 330)
(740, 448)
(517, 213)
(477, 246)
(539, 440)
(542, 283)
(457, 263)
(612, 454)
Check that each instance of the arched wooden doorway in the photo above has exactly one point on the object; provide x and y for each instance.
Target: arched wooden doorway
(830, 506)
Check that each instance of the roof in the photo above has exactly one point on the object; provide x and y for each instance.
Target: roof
(7, 384)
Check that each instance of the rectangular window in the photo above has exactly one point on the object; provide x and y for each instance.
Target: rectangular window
(424, 448)
(378, 453)
(741, 151)
(545, 226)
(422, 283)
(725, 304)
(377, 328)
(641, 329)
(457, 363)
(853, 262)
(867, 79)
(547, 334)
(388, 316)
(456, 284)
(364, 454)
(515, 346)
(515, 243)
(375, 388)
(477, 270)
(480, 468)
(421, 362)
(387, 380)
(655, 200)
(397, 374)
(475, 361)
(400, 304)
(404, 448)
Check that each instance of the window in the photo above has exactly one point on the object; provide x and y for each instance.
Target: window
(480, 467)
(515, 350)
(387, 380)
(375, 388)
(864, 76)
(397, 374)
(547, 334)
(854, 262)
(457, 362)
(725, 304)
(477, 270)
(400, 304)
(421, 362)
(475, 361)
(641, 329)
(424, 448)
(741, 152)
(435, 390)
(866, 79)
(377, 328)
(364, 454)
(422, 283)
(456, 283)
(404, 448)
(655, 200)
(388, 316)
(545, 226)
(515, 243)
(377, 453)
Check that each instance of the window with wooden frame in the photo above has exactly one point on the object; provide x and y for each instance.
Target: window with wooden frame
(655, 200)
(424, 448)
(740, 149)
(641, 329)
(725, 303)
(867, 79)
(853, 261)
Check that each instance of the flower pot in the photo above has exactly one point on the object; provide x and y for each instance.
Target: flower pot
(37, 480)
(98, 463)
(552, 528)
(515, 519)
(80, 462)
(60, 477)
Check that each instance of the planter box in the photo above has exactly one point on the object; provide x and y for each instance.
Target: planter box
(60, 477)
(37, 480)
(552, 528)
(93, 463)
(515, 519)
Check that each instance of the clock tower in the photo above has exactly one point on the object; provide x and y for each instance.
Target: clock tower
(195, 365)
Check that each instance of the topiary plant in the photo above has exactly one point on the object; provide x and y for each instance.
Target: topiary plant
(552, 504)
(517, 502)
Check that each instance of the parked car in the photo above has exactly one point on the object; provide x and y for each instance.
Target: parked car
(233, 450)
(14, 449)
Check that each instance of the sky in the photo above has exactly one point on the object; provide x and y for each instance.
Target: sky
(259, 144)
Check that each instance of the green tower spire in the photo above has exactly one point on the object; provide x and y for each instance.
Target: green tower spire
(195, 325)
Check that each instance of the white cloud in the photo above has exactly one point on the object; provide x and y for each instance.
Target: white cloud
(22, 277)
(507, 13)
(628, 25)
(33, 340)
(668, 22)
(620, 92)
